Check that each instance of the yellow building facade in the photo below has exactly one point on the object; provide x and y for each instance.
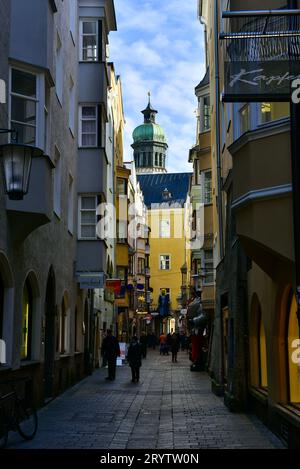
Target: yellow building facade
(254, 361)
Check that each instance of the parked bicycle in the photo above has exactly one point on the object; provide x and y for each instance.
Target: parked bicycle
(17, 413)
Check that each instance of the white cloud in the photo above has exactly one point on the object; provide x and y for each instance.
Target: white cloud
(159, 47)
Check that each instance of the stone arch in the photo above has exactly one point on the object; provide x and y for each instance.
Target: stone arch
(31, 281)
(64, 323)
(258, 350)
(7, 316)
(288, 309)
(50, 332)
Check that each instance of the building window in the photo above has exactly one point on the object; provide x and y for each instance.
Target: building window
(161, 160)
(71, 205)
(27, 313)
(63, 329)
(141, 266)
(122, 186)
(208, 267)
(293, 336)
(72, 104)
(269, 112)
(59, 69)
(88, 216)
(165, 262)
(207, 187)
(57, 183)
(156, 159)
(165, 229)
(206, 114)
(23, 105)
(89, 37)
(244, 119)
(122, 231)
(122, 273)
(263, 374)
(88, 117)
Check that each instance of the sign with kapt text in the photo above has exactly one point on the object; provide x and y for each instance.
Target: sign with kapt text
(260, 81)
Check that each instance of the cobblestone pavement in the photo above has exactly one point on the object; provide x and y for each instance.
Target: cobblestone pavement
(171, 407)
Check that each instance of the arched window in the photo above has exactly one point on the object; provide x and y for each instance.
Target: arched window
(156, 159)
(27, 313)
(258, 347)
(63, 328)
(292, 348)
(1, 306)
(263, 371)
(160, 160)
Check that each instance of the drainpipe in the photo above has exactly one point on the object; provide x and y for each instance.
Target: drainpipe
(218, 129)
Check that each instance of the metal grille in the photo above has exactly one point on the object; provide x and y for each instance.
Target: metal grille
(262, 37)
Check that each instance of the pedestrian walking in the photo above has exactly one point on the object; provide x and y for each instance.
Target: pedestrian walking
(174, 346)
(144, 343)
(110, 350)
(134, 357)
(162, 343)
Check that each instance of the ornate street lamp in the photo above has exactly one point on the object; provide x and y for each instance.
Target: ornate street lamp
(16, 165)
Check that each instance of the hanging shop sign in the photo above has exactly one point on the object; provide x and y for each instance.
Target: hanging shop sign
(260, 81)
(115, 285)
(91, 280)
(261, 55)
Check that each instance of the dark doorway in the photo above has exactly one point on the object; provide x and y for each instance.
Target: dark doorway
(1, 307)
(49, 335)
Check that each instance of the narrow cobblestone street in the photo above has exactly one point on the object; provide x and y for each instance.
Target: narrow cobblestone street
(171, 408)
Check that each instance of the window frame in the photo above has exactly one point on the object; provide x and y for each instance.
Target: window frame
(161, 234)
(81, 36)
(81, 119)
(209, 271)
(160, 262)
(39, 105)
(80, 210)
(207, 200)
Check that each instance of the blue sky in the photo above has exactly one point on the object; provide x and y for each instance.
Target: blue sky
(159, 48)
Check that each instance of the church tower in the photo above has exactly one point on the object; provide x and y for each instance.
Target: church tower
(150, 144)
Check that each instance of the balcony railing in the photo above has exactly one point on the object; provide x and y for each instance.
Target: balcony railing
(262, 53)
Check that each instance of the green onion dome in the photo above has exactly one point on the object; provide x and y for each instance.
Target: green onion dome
(149, 132)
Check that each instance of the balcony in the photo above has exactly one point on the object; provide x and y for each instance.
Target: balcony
(32, 45)
(262, 197)
(36, 208)
(92, 171)
(93, 82)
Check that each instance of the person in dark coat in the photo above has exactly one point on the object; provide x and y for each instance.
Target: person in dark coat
(174, 346)
(134, 357)
(110, 350)
(143, 342)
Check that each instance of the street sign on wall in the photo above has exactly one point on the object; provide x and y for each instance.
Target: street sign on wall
(91, 280)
